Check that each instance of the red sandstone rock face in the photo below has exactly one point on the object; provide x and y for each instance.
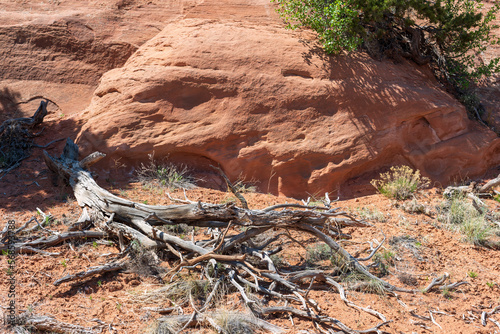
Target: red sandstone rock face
(262, 102)
(223, 82)
(64, 51)
(59, 49)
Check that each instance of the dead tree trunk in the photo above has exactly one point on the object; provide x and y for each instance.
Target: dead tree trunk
(243, 261)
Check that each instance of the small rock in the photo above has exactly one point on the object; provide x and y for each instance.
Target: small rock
(134, 282)
(130, 278)
(114, 286)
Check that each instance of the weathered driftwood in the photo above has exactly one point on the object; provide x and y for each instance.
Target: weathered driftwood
(473, 191)
(49, 324)
(91, 272)
(490, 184)
(141, 216)
(53, 240)
(242, 260)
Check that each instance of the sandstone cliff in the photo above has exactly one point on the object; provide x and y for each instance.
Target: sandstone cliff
(265, 103)
(223, 82)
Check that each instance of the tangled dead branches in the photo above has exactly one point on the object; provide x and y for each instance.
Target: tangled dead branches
(16, 137)
(237, 254)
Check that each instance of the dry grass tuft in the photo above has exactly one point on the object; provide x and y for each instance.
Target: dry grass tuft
(160, 174)
(400, 183)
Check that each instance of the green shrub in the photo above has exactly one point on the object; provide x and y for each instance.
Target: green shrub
(476, 230)
(336, 22)
(449, 34)
(400, 182)
(497, 197)
(459, 214)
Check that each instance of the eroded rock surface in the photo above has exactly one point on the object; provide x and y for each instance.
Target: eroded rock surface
(223, 82)
(59, 49)
(264, 103)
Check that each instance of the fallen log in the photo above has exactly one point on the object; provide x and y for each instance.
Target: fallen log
(49, 324)
(53, 240)
(91, 272)
(237, 259)
(490, 184)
